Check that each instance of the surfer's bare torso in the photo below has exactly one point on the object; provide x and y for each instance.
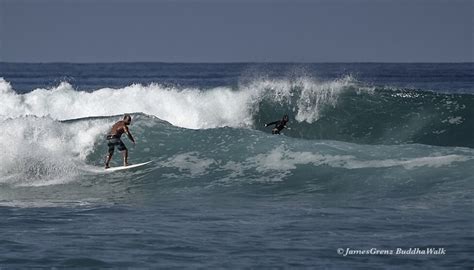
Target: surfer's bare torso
(118, 129)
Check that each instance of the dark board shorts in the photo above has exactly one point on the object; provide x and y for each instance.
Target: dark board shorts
(113, 141)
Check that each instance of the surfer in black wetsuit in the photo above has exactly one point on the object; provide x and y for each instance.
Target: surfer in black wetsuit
(279, 124)
(113, 139)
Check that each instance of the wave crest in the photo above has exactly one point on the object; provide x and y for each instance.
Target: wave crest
(188, 107)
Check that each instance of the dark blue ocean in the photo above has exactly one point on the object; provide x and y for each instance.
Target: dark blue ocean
(374, 172)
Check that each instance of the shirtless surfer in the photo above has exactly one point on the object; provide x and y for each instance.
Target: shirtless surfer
(113, 139)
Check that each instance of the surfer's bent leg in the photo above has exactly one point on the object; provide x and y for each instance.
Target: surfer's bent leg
(111, 146)
(121, 147)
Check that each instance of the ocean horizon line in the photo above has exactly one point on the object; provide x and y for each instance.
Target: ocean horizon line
(231, 62)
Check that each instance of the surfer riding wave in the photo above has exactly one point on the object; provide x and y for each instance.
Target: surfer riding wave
(113, 139)
(279, 124)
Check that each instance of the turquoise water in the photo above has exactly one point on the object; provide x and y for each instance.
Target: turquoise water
(378, 157)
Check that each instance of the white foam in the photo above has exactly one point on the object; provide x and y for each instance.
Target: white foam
(187, 107)
(283, 160)
(314, 96)
(42, 151)
(189, 162)
(305, 95)
(190, 108)
(453, 120)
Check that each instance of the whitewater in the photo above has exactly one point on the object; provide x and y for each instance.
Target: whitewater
(377, 156)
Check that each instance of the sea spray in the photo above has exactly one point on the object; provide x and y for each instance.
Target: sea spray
(184, 107)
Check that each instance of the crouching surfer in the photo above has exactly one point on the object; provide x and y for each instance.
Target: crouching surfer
(279, 124)
(113, 139)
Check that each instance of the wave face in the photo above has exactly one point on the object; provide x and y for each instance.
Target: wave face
(341, 109)
(380, 116)
(42, 151)
(336, 120)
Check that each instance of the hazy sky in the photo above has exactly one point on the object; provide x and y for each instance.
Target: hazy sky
(236, 31)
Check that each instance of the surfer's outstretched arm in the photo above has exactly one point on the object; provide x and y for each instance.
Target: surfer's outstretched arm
(272, 123)
(129, 134)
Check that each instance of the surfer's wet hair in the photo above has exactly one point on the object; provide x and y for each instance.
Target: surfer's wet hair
(127, 117)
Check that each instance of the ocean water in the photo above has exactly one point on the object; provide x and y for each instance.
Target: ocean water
(378, 159)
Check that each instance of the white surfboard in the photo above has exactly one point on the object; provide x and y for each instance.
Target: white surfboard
(114, 169)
